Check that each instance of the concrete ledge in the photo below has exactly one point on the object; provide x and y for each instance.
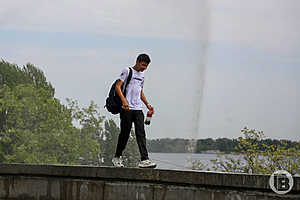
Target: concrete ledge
(171, 177)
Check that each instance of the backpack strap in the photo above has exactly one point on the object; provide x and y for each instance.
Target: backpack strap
(128, 80)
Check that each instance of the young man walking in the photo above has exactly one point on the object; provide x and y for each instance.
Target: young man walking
(131, 111)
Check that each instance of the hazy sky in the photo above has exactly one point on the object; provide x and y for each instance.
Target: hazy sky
(217, 65)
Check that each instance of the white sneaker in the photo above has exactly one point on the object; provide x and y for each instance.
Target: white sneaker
(117, 162)
(147, 164)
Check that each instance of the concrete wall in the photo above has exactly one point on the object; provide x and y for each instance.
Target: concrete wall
(49, 182)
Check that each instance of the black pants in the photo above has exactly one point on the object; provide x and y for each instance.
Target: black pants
(127, 118)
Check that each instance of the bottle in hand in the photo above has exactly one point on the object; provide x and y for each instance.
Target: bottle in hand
(148, 117)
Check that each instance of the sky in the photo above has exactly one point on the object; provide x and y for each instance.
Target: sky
(217, 65)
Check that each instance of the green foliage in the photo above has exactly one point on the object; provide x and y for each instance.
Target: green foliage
(221, 144)
(197, 165)
(255, 158)
(89, 132)
(131, 154)
(226, 145)
(36, 128)
(168, 145)
(205, 144)
(11, 75)
(109, 141)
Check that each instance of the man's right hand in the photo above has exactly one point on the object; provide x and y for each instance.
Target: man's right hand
(125, 106)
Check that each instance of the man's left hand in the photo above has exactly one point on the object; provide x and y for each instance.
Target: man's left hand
(151, 108)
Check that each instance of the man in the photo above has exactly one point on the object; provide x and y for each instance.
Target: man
(131, 111)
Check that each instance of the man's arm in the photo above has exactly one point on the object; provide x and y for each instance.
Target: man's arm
(125, 105)
(146, 102)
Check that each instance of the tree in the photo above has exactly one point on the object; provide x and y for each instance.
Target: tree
(89, 132)
(131, 154)
(256, 159)
(205, 144)
(36, 128)
(225, 145)
(37, 78)
(11, 75)
(109, 141)
(168, 145)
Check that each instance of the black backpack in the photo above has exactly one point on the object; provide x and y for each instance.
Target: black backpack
(113, 101)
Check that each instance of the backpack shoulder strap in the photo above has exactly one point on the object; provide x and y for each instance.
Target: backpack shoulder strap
(128, 80)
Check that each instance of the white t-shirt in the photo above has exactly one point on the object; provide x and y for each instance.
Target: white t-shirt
(134, 88)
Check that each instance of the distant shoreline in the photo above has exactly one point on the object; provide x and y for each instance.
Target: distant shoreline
(209, 145)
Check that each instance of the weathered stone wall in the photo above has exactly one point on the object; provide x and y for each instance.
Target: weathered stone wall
(49, 182)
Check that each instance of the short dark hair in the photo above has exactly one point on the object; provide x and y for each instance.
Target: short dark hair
(143, 58)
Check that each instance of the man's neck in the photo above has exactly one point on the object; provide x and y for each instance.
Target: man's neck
(135, 68)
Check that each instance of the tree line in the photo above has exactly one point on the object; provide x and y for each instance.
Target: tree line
(224, 145)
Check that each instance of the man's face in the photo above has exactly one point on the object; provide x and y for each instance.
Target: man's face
(141, 66)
